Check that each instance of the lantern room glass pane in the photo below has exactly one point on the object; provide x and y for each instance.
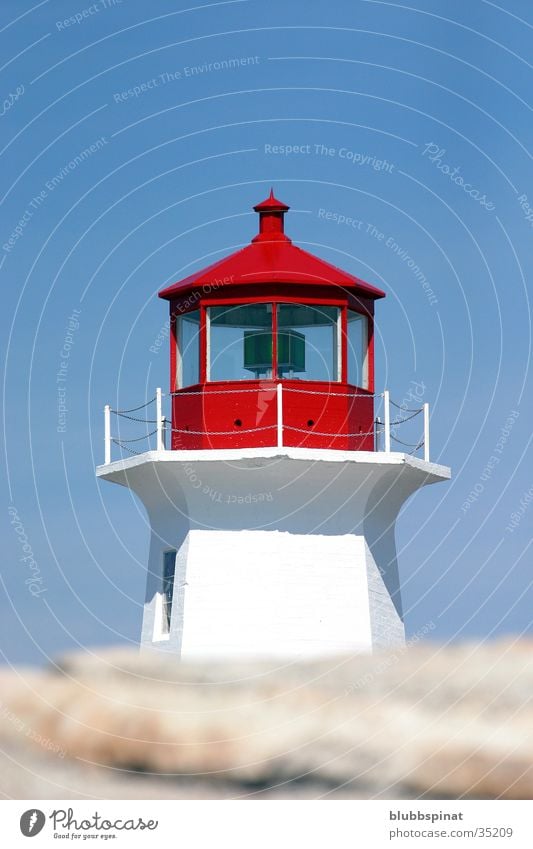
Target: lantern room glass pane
(308, 342)
(188, 333)
(357, 349)
(240, 342)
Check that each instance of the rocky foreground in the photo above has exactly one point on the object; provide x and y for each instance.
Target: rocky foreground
(428, 721)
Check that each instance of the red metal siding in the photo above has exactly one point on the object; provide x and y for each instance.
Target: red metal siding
(246, 416)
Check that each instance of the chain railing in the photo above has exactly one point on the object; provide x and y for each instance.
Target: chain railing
(389, 425)
(383, 428)
(158, 431)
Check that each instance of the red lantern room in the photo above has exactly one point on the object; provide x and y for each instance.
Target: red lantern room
(272, 346)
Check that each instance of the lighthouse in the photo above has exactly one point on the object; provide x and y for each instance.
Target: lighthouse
(272, 488)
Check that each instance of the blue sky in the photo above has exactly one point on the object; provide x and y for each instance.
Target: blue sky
(132, 153)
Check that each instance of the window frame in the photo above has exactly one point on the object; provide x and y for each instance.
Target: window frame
(236, 303)
(338, 347)
(177, 359)
(164, 606)
(365, 371)
(344, 304)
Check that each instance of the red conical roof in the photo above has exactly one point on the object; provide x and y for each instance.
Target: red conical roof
(271, 258)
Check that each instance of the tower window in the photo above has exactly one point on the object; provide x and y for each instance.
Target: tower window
(308, 342)
(169, 568)
(357, 349)
(188, 349)
(240, 342)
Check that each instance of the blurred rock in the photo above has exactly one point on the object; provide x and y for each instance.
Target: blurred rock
(426, 721)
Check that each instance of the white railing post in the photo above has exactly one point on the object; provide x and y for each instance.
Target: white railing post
(386, 416)
(160, 445)
(107, 434)
(426, 432)
(279, 391)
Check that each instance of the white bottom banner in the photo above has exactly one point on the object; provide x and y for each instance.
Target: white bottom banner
(268, 824)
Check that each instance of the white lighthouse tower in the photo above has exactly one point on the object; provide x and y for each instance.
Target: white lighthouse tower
(273, 505)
